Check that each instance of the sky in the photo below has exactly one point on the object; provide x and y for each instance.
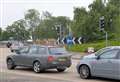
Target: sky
(13, 10)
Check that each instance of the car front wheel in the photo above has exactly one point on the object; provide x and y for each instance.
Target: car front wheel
(10, 64)
(36, 67)
(84, 72)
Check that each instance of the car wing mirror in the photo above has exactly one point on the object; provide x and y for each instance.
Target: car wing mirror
(98, 57)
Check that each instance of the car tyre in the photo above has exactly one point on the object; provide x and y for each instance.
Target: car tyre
(61, 69)
(37, 67)
(84, 72)
(10, 64)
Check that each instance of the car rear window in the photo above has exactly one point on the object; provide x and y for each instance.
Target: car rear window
(57, 51)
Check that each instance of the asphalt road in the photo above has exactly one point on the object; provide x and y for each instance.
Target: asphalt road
(27, 74)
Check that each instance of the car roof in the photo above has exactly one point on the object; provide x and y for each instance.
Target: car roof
(113, 47)
(49, 46)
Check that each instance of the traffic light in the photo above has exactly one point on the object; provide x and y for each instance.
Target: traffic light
(102, 23)
(58, 29)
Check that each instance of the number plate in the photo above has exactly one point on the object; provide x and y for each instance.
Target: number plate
(62, 59)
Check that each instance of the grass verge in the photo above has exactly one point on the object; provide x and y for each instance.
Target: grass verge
(95, 45)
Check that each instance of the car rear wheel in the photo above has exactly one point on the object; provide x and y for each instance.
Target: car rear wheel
(36, 67)
(10, 64)
(84, 72)
(61, 69)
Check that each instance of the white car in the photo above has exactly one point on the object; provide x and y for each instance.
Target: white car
(16, 45)
(103, 63)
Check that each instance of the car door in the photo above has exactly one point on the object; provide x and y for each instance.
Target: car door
(118, 64)
(30, 56)
(20, 57)
(42, 55)
(106, 64)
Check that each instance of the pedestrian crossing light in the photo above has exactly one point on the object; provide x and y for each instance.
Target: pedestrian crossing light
(102, 23)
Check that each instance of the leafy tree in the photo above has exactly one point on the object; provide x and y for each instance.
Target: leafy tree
(5, 35)
(78, 23)
(86, 23)
(47, 26)
(18, 31)
(33, 20)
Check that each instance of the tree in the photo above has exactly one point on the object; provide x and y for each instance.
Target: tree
(33, 20)
(46, 15)
(0, 33)
(112, 14)
(47, 27)
(78, 23)
(86, 23)
(5, 35)
(18, 31)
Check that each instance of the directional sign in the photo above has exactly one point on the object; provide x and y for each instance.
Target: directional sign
(63, 40)
(70, 40)
(79, 40)
(58, 41)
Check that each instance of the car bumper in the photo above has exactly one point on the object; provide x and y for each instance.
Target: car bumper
(58, 65)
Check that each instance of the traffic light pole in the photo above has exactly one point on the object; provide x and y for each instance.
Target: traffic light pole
(102, 25)
(60, 32)
(106, 37)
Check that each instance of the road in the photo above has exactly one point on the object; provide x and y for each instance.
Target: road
(27, 74)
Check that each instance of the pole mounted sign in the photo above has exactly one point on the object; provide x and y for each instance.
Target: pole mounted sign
(70, 40)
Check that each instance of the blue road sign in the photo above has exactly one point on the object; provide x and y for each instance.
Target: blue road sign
(69, 40)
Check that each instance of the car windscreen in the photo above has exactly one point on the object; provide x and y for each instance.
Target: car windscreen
(101, 51)
(57, 51)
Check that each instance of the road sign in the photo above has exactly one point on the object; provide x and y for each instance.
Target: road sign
(70, 40)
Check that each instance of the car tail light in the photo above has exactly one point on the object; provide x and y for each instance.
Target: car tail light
(50, 58)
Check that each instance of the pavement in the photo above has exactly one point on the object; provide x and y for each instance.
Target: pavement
(22, 74)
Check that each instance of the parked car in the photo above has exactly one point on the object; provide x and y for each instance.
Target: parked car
(40, 58)
(103, 63)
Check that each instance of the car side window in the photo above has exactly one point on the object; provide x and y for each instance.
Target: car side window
(33, 50)
(111, 54)
(24, 50)
(41, 50)
(119, 55)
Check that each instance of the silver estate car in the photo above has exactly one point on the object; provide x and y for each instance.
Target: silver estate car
(104, 63)
(40, 58)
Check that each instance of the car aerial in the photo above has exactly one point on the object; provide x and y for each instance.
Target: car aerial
(40, 58)
(103, 63)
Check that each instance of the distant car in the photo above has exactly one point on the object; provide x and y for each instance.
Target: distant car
(104, 63)
(15, 46)
(8, 44)
(40, 58)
